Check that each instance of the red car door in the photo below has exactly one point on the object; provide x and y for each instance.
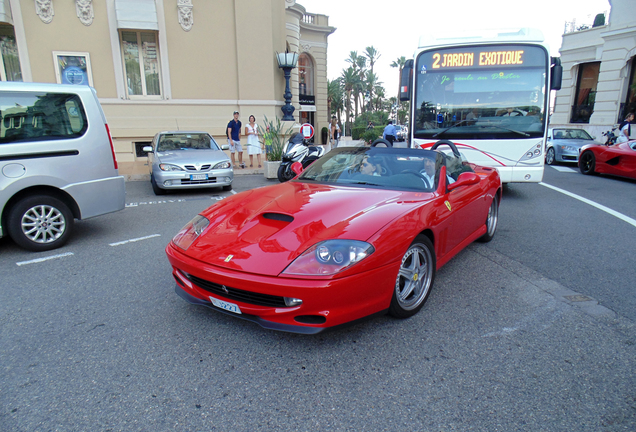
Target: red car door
(625, 166)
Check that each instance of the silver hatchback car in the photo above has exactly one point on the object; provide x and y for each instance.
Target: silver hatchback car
(186, 160)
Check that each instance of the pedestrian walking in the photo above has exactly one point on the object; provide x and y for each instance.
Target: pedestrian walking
(624, 130)
(389, 132)
(234, 139)
(253, 145)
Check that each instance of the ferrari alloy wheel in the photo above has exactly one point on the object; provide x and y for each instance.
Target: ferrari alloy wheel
(587, 161)
(415, 278)
(40, 223)
(549, 156)
(491, 221)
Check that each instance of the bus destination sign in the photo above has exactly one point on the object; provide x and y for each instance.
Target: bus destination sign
(477, 58)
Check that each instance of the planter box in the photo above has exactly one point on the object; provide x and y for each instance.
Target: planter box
(271, 169)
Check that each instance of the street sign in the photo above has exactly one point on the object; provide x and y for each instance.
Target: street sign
(307, 130)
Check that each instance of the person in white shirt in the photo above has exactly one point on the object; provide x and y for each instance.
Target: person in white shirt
(625, 130)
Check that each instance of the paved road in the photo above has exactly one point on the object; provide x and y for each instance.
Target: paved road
(510, 339)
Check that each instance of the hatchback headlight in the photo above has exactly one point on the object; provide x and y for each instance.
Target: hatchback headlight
(222, 165)
(329, 257)
(170, 167)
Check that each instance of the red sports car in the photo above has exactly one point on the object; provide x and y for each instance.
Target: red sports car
(361, 232)
(618, 160)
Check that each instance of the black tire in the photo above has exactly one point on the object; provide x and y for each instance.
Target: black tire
(491, 221)
(415, 278)
(40, 223)
(285, 173)
(227, 188)
(156, 189)
(380, 142)
(550, 158)
(587, 162)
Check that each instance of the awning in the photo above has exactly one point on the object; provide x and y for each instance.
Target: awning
(136, 14)
(5, 12)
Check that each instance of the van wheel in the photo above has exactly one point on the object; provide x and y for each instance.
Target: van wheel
(156, 189)
(40, 223)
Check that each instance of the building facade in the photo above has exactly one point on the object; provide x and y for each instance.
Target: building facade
(599, 79)
(171, 64)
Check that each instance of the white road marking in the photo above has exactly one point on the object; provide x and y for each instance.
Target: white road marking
(170, 201)
(134, 240)
(39, 260)
(593, 204)
(564, 169)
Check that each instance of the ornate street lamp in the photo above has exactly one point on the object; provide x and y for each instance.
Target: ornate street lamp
(287, 61)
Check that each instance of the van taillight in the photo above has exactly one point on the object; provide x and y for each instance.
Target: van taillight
(112, 147)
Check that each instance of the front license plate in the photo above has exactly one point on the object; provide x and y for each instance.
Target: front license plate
(198, 176)
(226, 305)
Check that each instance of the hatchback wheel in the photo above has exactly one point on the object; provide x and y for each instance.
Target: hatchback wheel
(549, 156)
(40, 223)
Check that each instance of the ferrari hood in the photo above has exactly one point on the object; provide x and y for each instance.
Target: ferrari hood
(263, 230)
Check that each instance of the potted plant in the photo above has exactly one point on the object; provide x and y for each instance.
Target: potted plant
(273, 136)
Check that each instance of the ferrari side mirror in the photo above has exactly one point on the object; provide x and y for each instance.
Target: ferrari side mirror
(464, 179)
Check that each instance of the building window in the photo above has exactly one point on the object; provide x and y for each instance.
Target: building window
(141, 63)
(630, 101)
(10, 65)
(139, 148)
(585, 92)
(306, 80)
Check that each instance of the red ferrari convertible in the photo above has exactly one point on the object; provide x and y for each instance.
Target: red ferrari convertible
(361, 232)
(618, 160)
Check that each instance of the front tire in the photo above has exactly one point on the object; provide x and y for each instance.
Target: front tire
(40, 223)
(491, 221)
(227, 188)
(550, 157)
(414, 279)
(155, 188)
(587, 162)
(285, 173)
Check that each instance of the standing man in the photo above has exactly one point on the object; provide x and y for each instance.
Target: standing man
(389, 132)
(234, 139)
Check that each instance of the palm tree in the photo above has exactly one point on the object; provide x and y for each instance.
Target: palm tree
(335, 97)
(348, 80)
(373, 55)
(399, 63)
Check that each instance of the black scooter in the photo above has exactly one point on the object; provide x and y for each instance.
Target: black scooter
(611, 137)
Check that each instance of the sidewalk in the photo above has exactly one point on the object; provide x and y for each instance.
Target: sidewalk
(139, 170)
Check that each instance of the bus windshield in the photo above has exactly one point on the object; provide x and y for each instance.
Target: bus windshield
(481, 92)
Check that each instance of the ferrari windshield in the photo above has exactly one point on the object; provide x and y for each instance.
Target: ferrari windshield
(186, 141)
(385, 168)
(484, 92)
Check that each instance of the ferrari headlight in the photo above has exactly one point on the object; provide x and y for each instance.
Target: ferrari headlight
(329, 257)
(222, 165)
(169, 167)
(190, 232)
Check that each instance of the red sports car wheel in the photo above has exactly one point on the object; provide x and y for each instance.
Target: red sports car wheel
(415, 278)
(587, 161)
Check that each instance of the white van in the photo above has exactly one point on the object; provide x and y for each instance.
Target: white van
(57, 162)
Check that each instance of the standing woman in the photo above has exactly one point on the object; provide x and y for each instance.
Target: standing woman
(334, 131)
(253, 145)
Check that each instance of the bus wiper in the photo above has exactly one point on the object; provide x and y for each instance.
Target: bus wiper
(449, 128)
(505, 128)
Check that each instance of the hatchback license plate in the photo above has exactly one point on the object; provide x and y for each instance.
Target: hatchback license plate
(226, 305)
(198, 176)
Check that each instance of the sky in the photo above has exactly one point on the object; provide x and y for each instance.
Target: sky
(393, 28)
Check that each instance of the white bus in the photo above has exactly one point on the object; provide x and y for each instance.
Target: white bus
(488, 94)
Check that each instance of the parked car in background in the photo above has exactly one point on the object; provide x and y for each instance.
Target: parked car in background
(57, 162)
(402, 132)
(186, 160)
(564, 145)
(362, 231)
(618, 160)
